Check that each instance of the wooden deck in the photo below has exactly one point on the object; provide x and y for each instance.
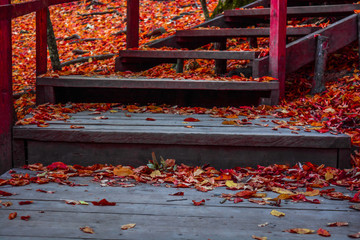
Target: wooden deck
(160, 216)
(121, 134)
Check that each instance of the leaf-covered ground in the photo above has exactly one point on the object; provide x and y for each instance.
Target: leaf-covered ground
(336, 110)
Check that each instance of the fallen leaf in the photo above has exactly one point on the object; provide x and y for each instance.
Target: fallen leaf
(202, 202)
(259, 238)
(12, 215)
(43, 191)
(25, 202)
(237, 200)
(300, 230)
(155, 173)
(356, 207)
(260, 202)
(263, 224)
(281, 190)
(128, 226)
(123, 171)
(190, 119)
(3, 193)
(104, 202)
(150, 119)
(323, 232)
(7, 204)
(25, 218)
(355, 235)
(76, 127)
(177, 194)
(277, 213)
(338, 224)
(87, 230)
(231, 184)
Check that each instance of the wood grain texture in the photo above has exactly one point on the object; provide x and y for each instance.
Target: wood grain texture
(158, 218)
(41, 42)
(6, 100)
(132, 25)
(277, 52)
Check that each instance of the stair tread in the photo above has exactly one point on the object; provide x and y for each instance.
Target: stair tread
(321, 10)
(188, 54)
(242, 32)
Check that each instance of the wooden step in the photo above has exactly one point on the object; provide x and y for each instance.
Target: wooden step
(303, 11)
(214, 35)
(138, 60)
(143, 90)
(208, 141)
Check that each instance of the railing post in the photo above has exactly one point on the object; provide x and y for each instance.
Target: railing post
(132, 26)
(277, 62)
(6, 97)
(41, 42)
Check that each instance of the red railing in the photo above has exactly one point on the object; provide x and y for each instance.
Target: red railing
(9, 11)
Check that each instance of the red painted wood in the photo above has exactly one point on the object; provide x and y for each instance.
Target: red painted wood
(132, 27)
(6, 103)
(277, 64)
(41, 42)
(27, 7)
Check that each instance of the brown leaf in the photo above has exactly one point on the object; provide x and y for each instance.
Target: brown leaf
(355, 235)
(25, 218)
(356, 206)
(128, 226)
(87, 230)
(338, 224)
(259, 238)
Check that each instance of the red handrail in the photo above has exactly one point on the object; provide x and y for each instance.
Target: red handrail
(9, 11)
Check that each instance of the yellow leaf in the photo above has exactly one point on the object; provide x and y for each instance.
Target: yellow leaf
(198, 172)
(155, 173)
(281, 190)
(300, 230)
(277, 213)
(90, 60)
(328, 176)
(231, 184)
(87, 230)
(122, 171)
(259, 195)
(312, 193)
(128, 226)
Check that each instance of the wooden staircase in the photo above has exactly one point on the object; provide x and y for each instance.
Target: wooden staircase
(300, 50)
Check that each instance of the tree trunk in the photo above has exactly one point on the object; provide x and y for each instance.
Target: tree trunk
(205, 9)
(229, 4)
(51, 42)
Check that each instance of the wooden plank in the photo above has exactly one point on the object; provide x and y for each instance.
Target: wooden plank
(56, 2)
(132, 25)
(154, 83)
(107, 226)
(181, 135)
(139, 154)
(6, 100)
(277, 53)
(318, 84)
(220, 34)
(186, 54)
(41, 42)
(302, 11)
(22, 9)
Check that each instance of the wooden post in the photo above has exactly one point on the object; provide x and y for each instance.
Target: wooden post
(358, 34)
(318, 84)
(132, 26)
(277, 62)
(180, 65)
(6, 101)
(220, 64)
(41, 42)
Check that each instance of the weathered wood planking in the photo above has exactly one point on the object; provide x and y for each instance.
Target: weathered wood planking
(158, 218)
(6, 100)
(302, 11)
(186, 92)
(110, 139)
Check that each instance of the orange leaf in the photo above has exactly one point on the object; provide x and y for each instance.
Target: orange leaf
(128, 226)
(123, 171)
(323, 232)
(202, 202)
(12, 215)
(87, 230)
